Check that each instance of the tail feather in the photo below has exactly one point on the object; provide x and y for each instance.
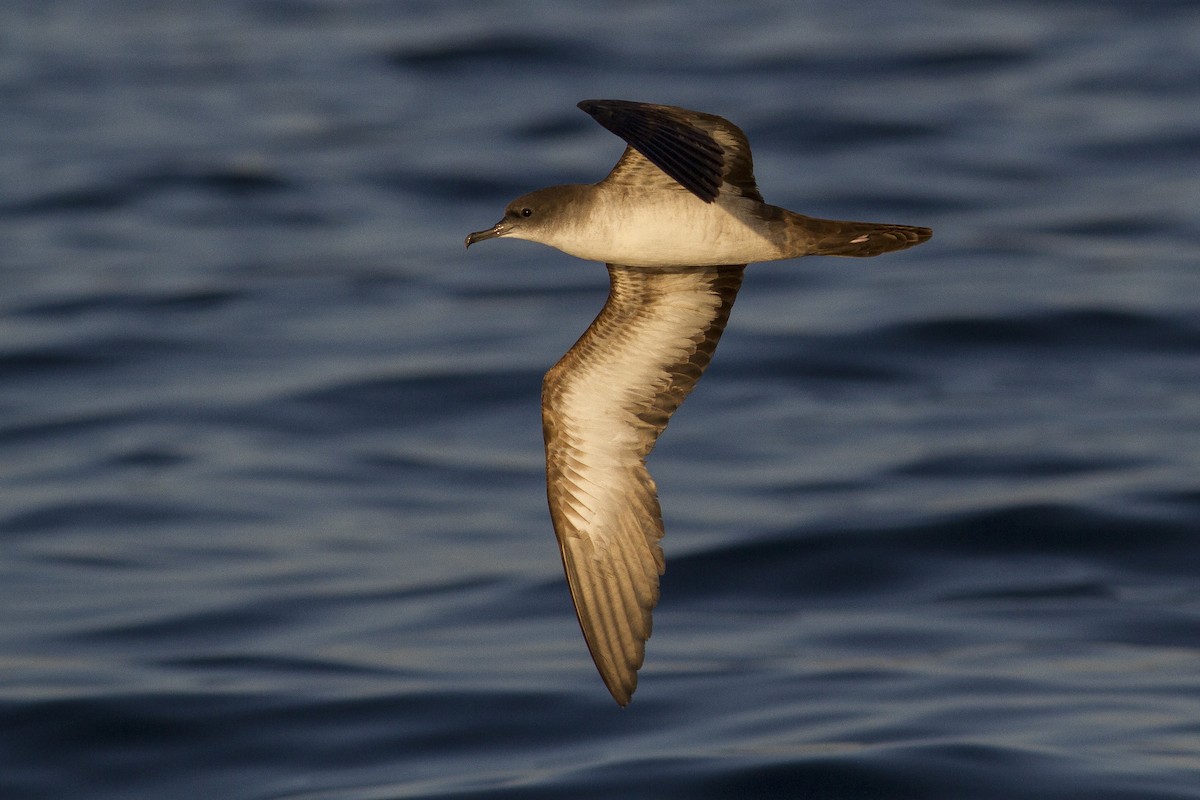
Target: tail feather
(827, 237)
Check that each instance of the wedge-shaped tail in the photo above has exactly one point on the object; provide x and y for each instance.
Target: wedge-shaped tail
(811, 236)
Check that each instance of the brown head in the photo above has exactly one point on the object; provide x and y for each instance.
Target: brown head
(532, 216)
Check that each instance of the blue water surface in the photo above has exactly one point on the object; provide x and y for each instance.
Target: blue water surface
(272, 516)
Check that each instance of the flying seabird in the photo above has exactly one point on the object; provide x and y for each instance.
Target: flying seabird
(676, 221)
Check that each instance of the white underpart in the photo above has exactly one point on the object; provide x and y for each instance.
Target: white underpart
(665, 229)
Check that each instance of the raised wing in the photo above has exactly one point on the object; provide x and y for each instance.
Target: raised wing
(604, 405)
(703, 153)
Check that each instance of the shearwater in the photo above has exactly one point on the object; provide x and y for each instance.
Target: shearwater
(676, 221)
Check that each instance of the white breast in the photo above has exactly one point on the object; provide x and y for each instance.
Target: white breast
(669, 229)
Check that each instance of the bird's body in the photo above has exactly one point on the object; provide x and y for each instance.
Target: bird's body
(676, 221)
(628, 227)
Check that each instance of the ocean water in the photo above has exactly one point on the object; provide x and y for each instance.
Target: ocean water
(272, 516)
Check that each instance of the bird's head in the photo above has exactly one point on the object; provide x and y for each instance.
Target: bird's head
(530, 216)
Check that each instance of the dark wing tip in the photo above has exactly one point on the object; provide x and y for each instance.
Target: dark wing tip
(668, 139)
(599, 107)
(622, 695)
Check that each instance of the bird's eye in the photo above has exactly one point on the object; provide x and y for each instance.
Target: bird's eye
(526, 212)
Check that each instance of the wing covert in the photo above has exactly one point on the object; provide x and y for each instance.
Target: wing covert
(604, 405)
(700, 152)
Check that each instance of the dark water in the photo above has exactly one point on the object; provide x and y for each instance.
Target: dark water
(271, 509)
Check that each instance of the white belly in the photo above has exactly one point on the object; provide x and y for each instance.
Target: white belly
(677, 229)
